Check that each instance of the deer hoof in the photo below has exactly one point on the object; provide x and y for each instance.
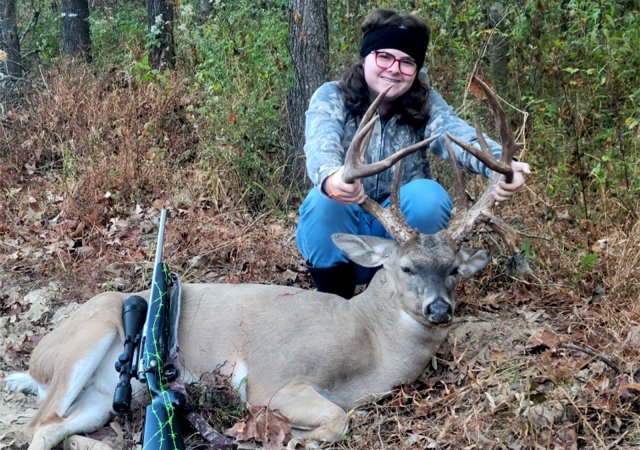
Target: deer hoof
(85, 443)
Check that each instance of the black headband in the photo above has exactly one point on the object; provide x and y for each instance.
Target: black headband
(411, 42)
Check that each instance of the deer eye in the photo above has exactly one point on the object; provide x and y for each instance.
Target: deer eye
(407, 269)
(453, 272)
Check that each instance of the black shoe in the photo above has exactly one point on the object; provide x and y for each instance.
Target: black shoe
(339, 279)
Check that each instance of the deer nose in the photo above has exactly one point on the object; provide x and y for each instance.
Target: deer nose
(439, 312)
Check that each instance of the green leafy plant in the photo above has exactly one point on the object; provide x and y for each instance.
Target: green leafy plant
(143, 72)
(117, 35)
(244, 78)
(589, 261)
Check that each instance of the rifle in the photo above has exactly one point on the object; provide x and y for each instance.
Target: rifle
(146, 356)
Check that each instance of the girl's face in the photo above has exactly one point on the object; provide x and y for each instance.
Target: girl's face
(378, 77)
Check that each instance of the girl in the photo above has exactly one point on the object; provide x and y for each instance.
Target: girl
(392, 52)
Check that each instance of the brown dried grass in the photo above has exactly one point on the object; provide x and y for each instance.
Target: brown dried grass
(136, 141)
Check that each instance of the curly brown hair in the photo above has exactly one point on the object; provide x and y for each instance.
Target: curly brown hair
(413, 106)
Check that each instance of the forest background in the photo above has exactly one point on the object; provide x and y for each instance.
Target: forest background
(92, 145)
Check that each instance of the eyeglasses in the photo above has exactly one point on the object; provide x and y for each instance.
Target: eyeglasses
(385, 60)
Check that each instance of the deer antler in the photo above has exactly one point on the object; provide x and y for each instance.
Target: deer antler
(463, 225)
(391, 218)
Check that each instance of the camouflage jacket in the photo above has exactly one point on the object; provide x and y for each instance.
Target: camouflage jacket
(330, 127)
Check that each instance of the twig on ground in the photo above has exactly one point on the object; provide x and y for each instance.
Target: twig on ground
(590, 352)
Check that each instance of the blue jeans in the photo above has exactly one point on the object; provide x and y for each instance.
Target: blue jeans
(425, 204)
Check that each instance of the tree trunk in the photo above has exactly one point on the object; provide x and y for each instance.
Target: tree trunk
(74, 20)
(162, 53)
(205, 9)
(499, 45)
(10, 38)
(309, 48)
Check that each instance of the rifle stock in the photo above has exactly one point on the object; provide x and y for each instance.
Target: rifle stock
(161, 431)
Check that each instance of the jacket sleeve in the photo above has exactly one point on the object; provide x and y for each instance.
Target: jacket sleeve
(324, 130)
(443, 119)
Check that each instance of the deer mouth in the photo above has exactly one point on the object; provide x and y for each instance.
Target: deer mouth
(440, 320)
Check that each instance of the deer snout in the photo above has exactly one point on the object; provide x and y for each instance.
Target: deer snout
(439, 312)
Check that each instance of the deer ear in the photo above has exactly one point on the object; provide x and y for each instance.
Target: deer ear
(470, 261)
(368, 251)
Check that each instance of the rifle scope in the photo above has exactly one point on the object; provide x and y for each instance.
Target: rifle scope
(134, 313)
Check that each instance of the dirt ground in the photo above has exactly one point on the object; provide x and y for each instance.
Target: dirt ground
(548, 362)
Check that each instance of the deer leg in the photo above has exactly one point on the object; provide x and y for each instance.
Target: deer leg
(312, 416)
(91, 410)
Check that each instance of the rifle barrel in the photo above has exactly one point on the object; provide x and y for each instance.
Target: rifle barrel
(158, 260)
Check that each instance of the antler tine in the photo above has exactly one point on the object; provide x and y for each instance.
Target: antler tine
(394, 200)
(371, 111)
(408, 233)
(461, 197)
(486, 156)
(392, 218)
(360, 140)
(509, 146)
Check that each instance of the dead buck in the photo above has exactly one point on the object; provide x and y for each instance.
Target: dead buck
(308, 354)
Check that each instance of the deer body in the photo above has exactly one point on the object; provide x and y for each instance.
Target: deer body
(310, 355)
(309, 338)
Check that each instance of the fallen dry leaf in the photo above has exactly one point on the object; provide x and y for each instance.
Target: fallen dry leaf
(475, 89)
(262, 425)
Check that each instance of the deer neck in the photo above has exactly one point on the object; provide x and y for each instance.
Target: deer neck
(381, 309)
(402, 345)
